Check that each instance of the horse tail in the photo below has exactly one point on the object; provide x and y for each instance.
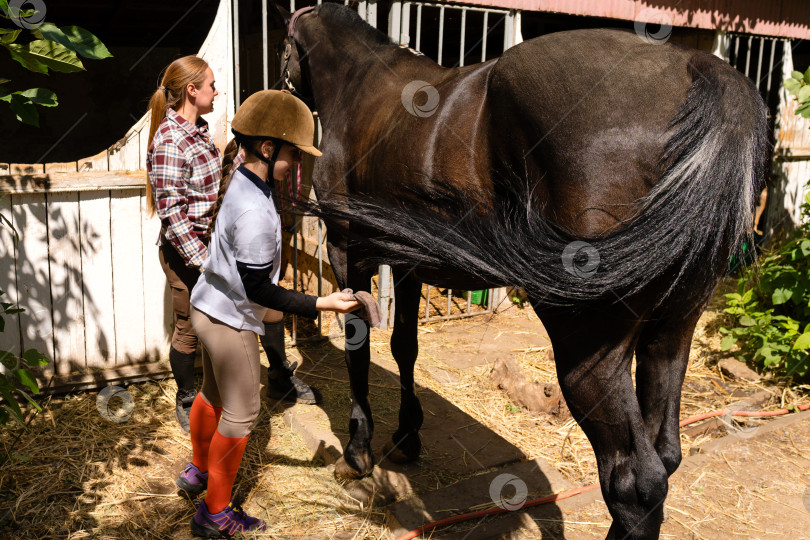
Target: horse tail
(714, 161)
(681, 237)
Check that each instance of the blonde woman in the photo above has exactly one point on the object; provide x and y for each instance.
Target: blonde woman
(184, 170)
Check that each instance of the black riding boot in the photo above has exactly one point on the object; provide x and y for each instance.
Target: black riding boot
(183, 371)
(281, 380)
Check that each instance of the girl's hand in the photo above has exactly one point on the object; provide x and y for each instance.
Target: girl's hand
(339, 302)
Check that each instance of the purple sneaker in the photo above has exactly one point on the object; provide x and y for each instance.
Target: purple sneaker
(223, 524)
(192, 480)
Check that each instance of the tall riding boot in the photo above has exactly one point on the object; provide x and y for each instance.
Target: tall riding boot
(281, 380)
(183, 371)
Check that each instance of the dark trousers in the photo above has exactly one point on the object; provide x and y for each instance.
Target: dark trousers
(181, 280)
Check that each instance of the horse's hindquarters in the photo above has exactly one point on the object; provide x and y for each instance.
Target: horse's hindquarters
(587, 114)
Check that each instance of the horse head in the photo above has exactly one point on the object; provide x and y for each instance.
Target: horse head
(331, 40)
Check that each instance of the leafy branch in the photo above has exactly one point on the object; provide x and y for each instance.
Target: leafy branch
(18, 379)
(771, 308)
(798, 85)
(50, 48)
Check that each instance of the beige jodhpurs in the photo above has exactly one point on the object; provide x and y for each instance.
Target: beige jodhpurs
(231, 373)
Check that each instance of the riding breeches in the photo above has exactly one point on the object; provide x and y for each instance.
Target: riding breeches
(231, 373)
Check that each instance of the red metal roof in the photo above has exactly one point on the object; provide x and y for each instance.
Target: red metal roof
(782, 18)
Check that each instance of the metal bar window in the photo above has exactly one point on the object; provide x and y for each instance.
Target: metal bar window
(419, 27)
(265, 54)
(441, 33)
(463, 35)
(484, 40)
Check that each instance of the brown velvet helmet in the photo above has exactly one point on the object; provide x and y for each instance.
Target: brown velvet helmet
(277, 114)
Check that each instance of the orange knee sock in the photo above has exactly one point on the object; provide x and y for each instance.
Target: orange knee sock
(224, 457)
(203, 421)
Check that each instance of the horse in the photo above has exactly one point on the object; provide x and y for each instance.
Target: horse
(609, 176)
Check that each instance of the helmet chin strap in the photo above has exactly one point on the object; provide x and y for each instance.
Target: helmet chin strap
(271, 163)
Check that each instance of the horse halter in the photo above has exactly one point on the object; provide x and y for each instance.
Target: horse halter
(288, 40)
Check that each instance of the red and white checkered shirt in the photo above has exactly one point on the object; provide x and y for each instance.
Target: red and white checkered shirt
(184, 168)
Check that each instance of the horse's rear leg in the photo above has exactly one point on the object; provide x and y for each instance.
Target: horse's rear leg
(661, 358)
(593, 357)
(405, 444)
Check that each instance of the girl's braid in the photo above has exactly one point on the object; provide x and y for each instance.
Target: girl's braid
(227, 172)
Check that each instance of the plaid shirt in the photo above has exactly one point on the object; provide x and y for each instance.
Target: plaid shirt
(184, 168)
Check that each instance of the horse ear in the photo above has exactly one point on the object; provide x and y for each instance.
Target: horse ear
(282, 13)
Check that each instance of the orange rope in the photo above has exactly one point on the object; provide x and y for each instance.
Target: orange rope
(576, 491)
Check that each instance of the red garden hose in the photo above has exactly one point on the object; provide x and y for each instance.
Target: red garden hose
(576, 491)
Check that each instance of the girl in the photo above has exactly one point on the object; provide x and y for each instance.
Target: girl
(184, 170)
(237, 291)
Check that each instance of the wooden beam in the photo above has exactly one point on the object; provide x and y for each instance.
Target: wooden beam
(71, 181)
(113, 376)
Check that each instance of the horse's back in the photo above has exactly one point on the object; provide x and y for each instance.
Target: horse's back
(590, 111)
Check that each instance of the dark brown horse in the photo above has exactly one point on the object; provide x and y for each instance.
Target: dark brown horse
(608, 176)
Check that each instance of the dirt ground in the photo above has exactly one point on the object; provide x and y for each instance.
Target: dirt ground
(74, 473)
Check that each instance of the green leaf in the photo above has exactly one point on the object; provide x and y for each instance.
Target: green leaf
(747, 296)
(83, 42)
(5, 94)
(55, 56)
(27, 380)
(41, 96)
(780, 296)
(11, 403)
(10, 36)
(798, 75)
(25, 111)
(53, 33)
(31, 400)
(8, 359)
(8, 412)
(792, 86)
(804, 110)
(745, 320)
(4, 6)
(802, 342)
(728, 342)
(807, 76)
(804, 93)
(21, 54)
(33, 357)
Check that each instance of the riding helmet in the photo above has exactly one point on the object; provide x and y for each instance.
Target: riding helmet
(277, 114)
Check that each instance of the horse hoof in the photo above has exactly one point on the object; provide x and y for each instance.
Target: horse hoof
(345, 472)
(395, 455)
(406, 451)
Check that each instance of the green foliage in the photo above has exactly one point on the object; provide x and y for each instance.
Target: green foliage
(18, 380)
(51, 49)
(799, 87)
(771, 309)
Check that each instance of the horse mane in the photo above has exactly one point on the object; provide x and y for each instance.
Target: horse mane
(349, 19)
